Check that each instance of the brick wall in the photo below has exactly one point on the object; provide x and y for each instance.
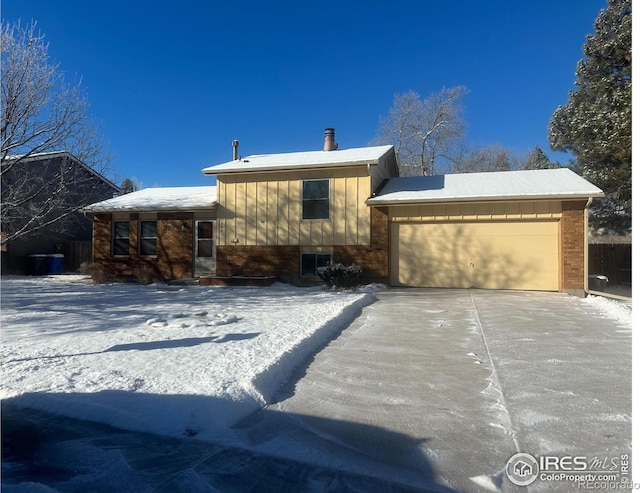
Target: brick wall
(174, 259)
(374, 258)
(258, 260)
(175, 245)
(572, 253)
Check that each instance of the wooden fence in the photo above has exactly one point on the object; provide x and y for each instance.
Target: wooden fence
(611, 260)
(75, 253)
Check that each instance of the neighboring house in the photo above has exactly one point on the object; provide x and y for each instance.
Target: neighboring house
(41, 195)
(169, 230)
(284, 215)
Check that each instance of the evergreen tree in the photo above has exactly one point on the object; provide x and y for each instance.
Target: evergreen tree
(595, 124)
(538, 159)
(128, 185)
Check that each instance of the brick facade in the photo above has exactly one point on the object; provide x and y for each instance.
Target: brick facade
(174, 259)
(258, 260)
(572, 250)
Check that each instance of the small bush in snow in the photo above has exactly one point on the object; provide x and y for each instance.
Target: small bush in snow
(341, 276)
(99, 273)
(146, 274)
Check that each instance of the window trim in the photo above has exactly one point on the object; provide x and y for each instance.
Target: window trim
(140, 238)
(328, 199)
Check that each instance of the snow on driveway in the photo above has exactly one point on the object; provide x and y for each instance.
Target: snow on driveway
(173, 360)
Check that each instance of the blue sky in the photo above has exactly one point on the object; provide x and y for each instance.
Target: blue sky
(171, 84)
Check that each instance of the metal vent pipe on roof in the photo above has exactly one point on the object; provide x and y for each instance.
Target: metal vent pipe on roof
(235, 144)
(330, 139)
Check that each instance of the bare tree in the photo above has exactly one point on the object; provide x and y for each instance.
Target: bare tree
(494, 157)
(423, 131)
(40, 114)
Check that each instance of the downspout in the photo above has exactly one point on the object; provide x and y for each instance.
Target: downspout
(586, 245)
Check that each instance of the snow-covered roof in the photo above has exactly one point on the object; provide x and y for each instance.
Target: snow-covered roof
(159, 199)
(560, 183)
(298, 160)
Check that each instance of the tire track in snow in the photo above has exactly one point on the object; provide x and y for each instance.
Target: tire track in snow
(493, 482)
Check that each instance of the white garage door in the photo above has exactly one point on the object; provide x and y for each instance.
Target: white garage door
(495, 255)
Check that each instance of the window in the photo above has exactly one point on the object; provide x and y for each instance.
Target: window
(309, 263)
(204, 239)
(148, 238)
(120, 238)
(315, 199)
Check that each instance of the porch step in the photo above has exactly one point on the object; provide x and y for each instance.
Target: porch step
(237, 280)
(191, 281)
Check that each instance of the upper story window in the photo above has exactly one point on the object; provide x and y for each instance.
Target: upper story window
(120, 238)
(315, 199)
(148, 238)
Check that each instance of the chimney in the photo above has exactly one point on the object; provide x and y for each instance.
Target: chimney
(330, 139)
(235, 145)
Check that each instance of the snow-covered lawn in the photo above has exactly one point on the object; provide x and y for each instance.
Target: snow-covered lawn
(174, 360)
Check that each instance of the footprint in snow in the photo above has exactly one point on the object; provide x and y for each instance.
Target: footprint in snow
(223, 319)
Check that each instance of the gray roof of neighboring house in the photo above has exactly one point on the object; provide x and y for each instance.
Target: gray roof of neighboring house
(300, 160)
(159, 199)
(38, 156)
(560, 183)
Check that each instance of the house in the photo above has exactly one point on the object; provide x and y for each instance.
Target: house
(284, 215)
(41, 195)
(170, 230)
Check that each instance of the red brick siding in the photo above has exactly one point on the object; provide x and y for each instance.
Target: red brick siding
(258, 260)
(175, 246)
(174, 259)
(374, 258)
(572, 253)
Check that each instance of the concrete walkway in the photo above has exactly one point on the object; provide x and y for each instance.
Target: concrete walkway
(428, 390)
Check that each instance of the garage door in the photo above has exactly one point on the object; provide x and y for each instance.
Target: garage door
(495, 255)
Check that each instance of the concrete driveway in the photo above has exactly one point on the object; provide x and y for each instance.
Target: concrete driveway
(428, 390)
(442, 387)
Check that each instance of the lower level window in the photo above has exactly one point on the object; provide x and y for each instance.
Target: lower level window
(309, 263)
(148, 238)
(120, 246)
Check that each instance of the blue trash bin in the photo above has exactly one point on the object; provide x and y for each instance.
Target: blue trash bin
(55, 263)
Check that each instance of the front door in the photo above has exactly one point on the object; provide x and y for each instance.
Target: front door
(205, 248)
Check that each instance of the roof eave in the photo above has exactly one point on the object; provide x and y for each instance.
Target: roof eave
(484, 198)
(212, 171)
(148, 209)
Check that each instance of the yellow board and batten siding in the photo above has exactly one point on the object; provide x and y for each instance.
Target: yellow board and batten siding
(509, 245)
(266, 208)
